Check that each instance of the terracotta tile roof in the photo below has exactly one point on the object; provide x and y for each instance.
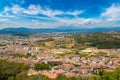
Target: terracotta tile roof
(67, 66)
(69, 74)
(50, 75)
(45, 73)
(59, 71)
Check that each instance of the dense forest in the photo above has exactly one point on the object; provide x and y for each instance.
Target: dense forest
(99, 40)
(11, 69)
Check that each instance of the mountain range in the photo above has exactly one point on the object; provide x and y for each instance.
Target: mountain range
(22, 31)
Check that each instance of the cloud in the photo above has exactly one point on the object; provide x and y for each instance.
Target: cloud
(37, 9)
(16, 9)
(7, 16)
(60, 22)
(75, 13)
(0, 15)
(77, 22)
(112, 13)
(3, 20)
(50, 20)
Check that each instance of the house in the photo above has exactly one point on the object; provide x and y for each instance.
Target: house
(68, 74)
(32, 72)
(108, 70)
(55, 62)
(116, 62)
(60, 51)
(87, 51)
(59, 71)
(66, 66)
(49, 75)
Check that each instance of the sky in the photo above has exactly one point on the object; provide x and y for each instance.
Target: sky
(59, 13)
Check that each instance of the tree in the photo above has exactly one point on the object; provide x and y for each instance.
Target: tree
(42, 66)
(8, 69)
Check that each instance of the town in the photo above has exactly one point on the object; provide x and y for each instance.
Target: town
(69, 54)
